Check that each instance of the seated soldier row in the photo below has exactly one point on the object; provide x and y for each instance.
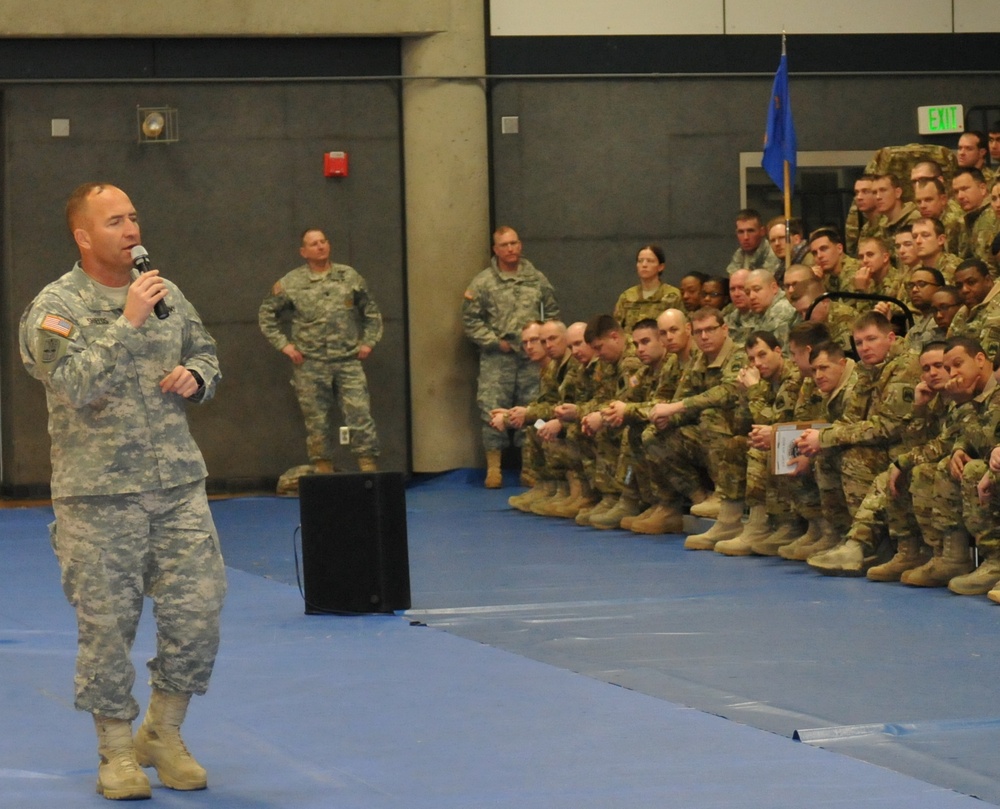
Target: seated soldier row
(630, 430)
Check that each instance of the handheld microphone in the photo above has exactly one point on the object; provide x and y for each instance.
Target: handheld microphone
(140, 263)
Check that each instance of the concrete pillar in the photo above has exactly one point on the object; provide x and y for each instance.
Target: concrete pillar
(447, 232)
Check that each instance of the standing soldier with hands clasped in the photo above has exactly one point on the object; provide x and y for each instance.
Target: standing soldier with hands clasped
(497, 304)
(335, 324)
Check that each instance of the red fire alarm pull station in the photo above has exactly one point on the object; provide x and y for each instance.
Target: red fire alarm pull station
(335, 164)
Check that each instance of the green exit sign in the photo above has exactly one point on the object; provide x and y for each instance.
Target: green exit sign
(941, 119)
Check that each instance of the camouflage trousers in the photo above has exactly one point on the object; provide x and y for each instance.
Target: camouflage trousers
(758, 476)
(955, 504)
(505, 380)
(532, 456)
(113, 550)
(844, 476)
(791, 495)
(922, 495)
(320, 385)
(561, 455)
(782, 496)
(607, 449)
(882, 513)
(635, 472)
(682, 457)
(981, 520)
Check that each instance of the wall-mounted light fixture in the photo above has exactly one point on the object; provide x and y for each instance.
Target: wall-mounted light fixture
(157, 124)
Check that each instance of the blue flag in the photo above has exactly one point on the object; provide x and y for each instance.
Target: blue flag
(779, 140)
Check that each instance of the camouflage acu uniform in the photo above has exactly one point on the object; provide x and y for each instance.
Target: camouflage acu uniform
(923, 330)
(798, 494)
(778, 318)
(769, 402)
(947, 263)
(844, 280)
(919, 464)
(709, 437)
(632, 306)
(856, 228)
(650, 384)
(840, 322)
(496, 307)
(881, 512)
(332, 316)
(763, 258)
(866, 437)
(977, 237)
(580, 388)
(563, 454)
(128, 487)
(612, 383)
(982, 323)
(953, 219)
(956, 503)
(740, 324)
(550, 393)
(888, 230)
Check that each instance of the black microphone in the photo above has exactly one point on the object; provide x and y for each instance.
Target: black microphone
(140, 262)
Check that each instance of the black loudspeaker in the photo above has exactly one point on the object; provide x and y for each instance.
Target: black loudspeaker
(354, 554)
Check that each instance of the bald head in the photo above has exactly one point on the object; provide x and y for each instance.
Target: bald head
(762, 289)
(738, 290)
(576, 340)
(553, 334)
(675, 330)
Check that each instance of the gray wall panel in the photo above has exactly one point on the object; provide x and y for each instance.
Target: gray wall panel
(221, 212)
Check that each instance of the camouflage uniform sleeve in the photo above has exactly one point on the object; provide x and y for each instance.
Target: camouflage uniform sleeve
(474, 318)
(54, 352)
(759, 403)
(268, 316)
(199, 352)
(721, 396)
(885, 420)
(371, 317)
(938, 447)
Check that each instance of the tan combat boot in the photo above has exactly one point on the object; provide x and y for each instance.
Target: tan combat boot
(606, 503)
(660, 519)
(585, 499)
(119, 777)
(800, 549)
(566, 505)
(911, 552)
(728, 525)
(366, 463)
(627, 506)
(844, 559)
(706, 506)
(950, 560)
(979, 582)
(159, 744)
(755, 528)
(626, 522)
(789, 529)
(494, 477)
(524, 501)
(560, 491)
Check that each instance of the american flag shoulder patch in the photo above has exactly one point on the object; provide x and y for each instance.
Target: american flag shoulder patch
(56, 325)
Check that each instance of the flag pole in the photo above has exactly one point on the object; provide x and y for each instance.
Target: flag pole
(788, 193)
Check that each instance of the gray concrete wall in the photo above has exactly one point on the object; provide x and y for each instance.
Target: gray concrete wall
(221, 213)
